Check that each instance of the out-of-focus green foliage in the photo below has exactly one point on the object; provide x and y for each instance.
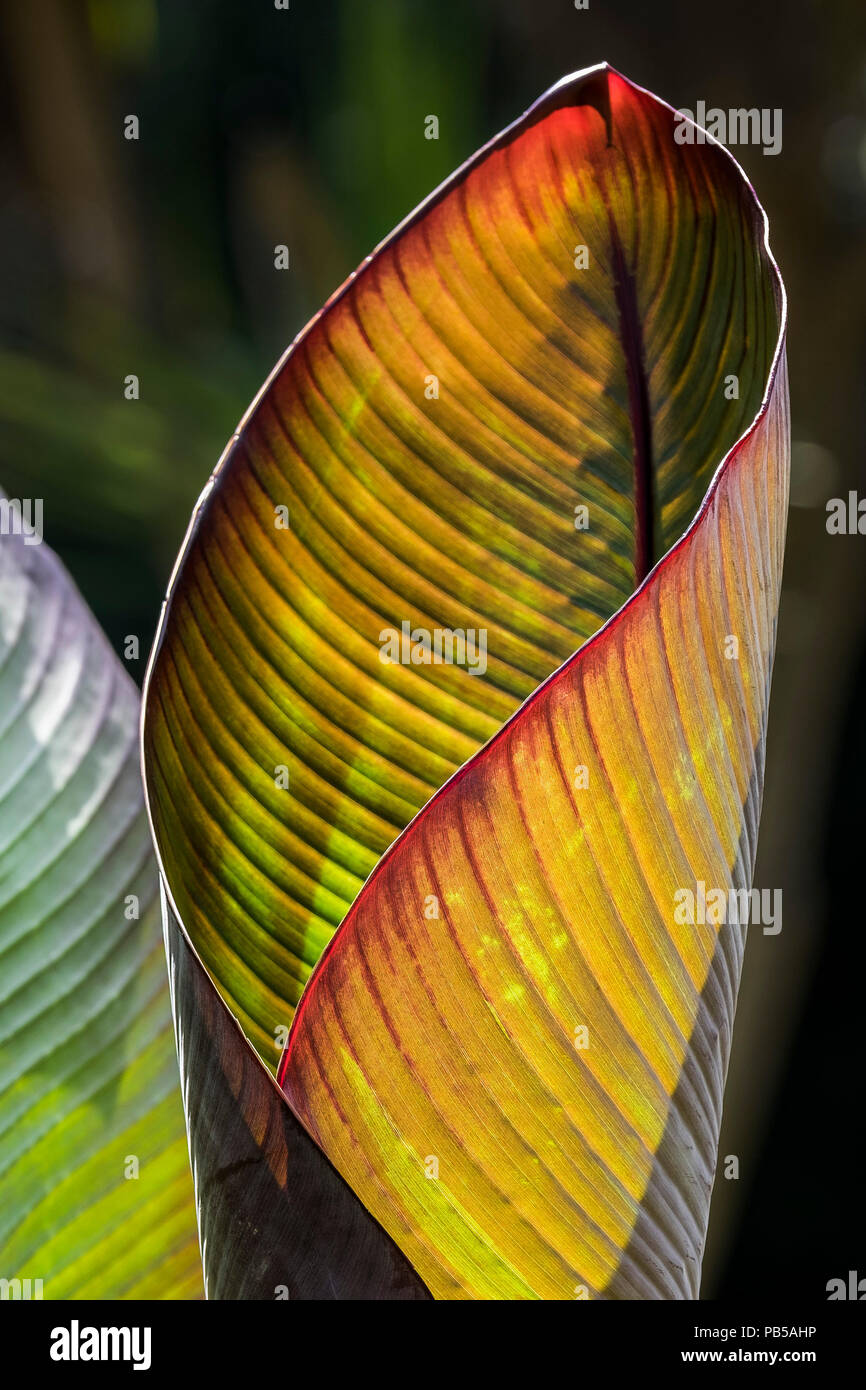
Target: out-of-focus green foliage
(155, 257)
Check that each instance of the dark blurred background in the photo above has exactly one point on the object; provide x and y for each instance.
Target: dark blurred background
(261, 126)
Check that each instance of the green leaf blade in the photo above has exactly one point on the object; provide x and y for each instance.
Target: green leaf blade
(88, 1070)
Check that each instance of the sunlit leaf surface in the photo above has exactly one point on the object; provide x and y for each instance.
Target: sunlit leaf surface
(553, 331)
(553, 404)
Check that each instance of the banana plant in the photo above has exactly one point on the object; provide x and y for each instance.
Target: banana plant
(458, 700)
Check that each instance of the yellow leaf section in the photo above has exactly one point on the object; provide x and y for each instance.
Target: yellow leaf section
(491, 1049)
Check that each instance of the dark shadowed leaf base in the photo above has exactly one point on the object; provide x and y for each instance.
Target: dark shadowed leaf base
(276, 1220)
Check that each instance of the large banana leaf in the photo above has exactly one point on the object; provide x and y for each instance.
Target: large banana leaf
(512, 1050)
(558, 388)
(97, 1197)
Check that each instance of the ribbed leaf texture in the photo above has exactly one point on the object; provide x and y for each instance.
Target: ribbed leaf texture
(550, 409)
(97, 1198)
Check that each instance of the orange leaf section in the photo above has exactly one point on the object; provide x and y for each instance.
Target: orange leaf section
(500, 1083)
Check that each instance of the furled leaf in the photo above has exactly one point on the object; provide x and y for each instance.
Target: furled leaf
(514, 1048)
(557, 328)
(97, 1197)
(277, 1222)
(553, 1038)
